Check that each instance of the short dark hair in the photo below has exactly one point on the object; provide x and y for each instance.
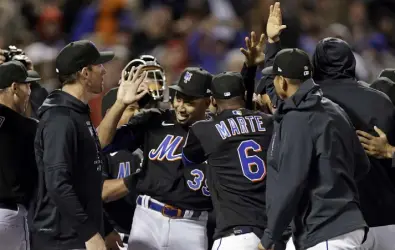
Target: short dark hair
(68, 79)
(71, 78)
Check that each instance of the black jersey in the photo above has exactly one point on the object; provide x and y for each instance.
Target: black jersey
(18, 170)
(120, 165)
(163, 175)
(235, 144)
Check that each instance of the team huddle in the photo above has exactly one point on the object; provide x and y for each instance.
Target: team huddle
(195, 165)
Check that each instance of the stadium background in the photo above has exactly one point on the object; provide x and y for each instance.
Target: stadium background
(184, 33)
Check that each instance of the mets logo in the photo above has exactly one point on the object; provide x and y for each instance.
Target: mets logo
(166, 149)
(187, 77)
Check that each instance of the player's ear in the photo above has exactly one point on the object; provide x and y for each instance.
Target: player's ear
(213, 102)
(283, 84)
(84, 72)
(14, 88)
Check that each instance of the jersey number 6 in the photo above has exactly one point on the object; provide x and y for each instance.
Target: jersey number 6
(253, 166)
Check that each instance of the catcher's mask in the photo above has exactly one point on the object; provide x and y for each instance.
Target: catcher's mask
(156, 79)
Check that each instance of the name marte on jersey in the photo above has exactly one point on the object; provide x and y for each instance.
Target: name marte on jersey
(240, 125)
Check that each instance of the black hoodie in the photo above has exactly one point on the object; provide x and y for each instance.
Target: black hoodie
(68, 209)
(313, 160)
(334, 71)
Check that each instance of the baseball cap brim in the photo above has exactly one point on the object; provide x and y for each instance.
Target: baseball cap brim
(261, 86)
(268, 71)
(32, 76)
(105, 57)
(183, 91)
(31, 79)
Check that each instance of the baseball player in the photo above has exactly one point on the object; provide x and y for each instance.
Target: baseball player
(122, 164)
(119, 201)
(234, 143)
(18, 171)
(173, 201)
(68, 210)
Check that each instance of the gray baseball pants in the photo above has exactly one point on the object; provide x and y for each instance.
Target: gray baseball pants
(14, 233)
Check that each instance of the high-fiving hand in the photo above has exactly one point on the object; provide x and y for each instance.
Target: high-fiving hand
(254, 50)
(274, 25)
(133, 88)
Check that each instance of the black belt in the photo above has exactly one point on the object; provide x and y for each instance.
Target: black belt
(244, 230)
(9, 206)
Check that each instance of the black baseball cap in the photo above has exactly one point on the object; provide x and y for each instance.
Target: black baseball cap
(14, 71)
(79, 54)
(227, 85)
(261, 85)
(385, 85)
(291, 63)
(108, 100)
(194, 82)
(33, 74)
(389, 73)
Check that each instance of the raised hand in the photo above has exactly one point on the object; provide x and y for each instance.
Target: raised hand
(274, 25)
(133, 88)
(254, 50)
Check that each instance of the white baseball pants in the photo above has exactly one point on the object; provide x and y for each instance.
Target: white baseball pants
(383, 237)
(14, 232)
(246, 241)
(349, 241)
(153, 231)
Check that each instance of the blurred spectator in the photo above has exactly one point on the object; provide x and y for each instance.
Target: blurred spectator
(153, 30)
(234, 61)
(203, 33)
(378, 55)
(341, 31)
(310, 25)
(48, 44)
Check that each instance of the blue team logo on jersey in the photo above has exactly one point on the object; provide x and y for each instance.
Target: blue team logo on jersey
(167, 149)
(123, 170)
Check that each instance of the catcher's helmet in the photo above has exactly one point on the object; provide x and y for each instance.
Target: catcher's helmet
(156, 79)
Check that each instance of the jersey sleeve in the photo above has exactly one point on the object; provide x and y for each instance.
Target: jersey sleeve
(271, 51)
(248, 74)
(193, 152)
(131, 135)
